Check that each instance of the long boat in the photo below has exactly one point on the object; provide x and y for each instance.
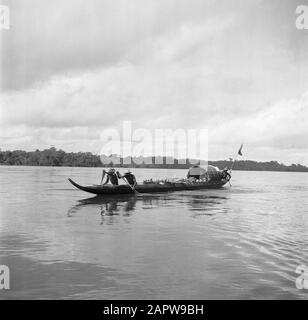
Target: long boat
(151, 187)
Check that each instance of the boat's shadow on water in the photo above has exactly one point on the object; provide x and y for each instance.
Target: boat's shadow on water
(108, 206)
(114, 205)
(125, 205)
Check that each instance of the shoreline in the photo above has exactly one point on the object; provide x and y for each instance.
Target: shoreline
(117, 167)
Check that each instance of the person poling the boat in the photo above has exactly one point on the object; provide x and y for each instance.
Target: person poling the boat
(129, 177)
(111, 177)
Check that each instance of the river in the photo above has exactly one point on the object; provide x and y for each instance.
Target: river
(239, 242)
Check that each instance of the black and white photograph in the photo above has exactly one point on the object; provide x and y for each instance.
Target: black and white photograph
(153, 150)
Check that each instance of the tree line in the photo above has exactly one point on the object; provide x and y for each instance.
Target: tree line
(60, 158)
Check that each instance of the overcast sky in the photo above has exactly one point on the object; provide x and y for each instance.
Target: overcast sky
(70, 69)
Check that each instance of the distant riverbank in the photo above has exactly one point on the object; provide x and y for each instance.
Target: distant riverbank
(59, 158)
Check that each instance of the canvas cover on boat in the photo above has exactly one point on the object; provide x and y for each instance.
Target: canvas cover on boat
(211, 169)
(196, 171)
(199, 171)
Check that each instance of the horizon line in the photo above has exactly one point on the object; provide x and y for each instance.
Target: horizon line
(200, 160)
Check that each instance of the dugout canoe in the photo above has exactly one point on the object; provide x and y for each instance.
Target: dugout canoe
(150, 187)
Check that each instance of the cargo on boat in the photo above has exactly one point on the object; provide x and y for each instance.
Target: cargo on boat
(197, 179)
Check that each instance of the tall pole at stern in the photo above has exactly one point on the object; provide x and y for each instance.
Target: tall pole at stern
(239, 153)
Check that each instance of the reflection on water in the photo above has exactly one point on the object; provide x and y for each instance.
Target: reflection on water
(124, 204)
(239, 242)
(107, 206)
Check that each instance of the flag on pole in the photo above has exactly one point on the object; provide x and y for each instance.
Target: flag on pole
(240, 150)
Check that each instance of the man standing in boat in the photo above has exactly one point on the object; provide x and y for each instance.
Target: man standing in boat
(111, 176)
(129, 177)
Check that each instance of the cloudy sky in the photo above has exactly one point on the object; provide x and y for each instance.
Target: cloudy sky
(70, 69)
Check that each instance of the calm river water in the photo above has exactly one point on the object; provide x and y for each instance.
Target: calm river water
(243, 242)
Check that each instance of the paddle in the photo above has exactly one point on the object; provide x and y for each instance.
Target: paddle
(103, 176)
(130, 185)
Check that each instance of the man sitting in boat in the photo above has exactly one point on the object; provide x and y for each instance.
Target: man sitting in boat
(111, 176)
(129, 177)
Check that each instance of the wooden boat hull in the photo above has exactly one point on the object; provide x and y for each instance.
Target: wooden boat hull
(148, 188)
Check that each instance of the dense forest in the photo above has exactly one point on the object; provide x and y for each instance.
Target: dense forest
(60, 158)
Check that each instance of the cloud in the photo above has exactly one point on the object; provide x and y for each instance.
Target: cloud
(71, 112)
(70, 69)
(51, 38)
(278, 131)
